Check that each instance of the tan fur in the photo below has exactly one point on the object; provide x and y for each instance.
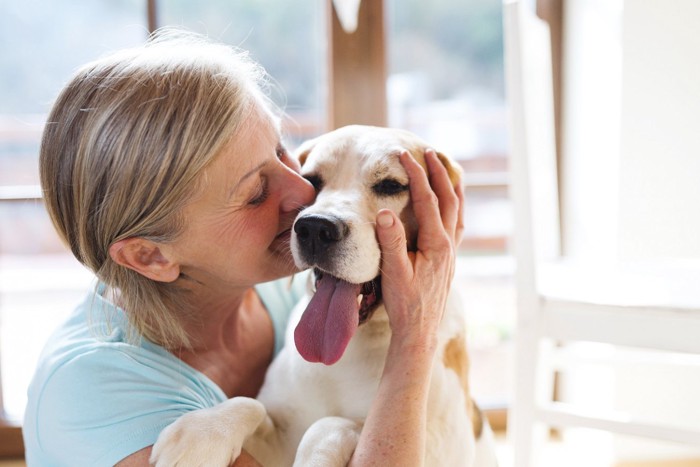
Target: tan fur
(456, 358)
(477, 418)
(303, 153)
(408, 142)
(414, 145)
(454, 170)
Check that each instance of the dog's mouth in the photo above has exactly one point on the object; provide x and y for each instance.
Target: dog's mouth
(368, 298)
(333, 315)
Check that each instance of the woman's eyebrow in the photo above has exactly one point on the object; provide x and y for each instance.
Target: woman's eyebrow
(254, 170)
(247, 175)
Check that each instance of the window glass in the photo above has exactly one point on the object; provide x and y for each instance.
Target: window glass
(446, 83)
(42, 43)
(287, 38)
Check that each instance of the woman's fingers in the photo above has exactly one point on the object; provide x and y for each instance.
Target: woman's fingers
(415, 284)
(442, 186)
(459, 228)
(437, 204)
(425, 202)
(396, 266)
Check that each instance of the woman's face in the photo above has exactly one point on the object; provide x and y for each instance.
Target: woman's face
(237, 227)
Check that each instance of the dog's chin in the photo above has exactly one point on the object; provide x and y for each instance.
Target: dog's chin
(370, 295)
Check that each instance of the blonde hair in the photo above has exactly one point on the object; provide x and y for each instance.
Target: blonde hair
(122, 151)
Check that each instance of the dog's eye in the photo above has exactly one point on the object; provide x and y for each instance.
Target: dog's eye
(389, 187)
(315, 180)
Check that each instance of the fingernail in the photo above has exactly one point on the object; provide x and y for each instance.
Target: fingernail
(385, 220)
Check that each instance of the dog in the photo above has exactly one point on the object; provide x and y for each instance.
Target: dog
(318, 392)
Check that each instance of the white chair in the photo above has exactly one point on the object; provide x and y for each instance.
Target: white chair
(652, 306)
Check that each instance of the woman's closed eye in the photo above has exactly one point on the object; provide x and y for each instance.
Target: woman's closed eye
(261, 194)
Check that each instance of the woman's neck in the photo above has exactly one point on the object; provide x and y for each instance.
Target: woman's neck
(233, 343)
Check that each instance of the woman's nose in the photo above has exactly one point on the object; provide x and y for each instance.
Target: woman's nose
(298, 192)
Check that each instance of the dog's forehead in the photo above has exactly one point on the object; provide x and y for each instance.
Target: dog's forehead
(371, 152)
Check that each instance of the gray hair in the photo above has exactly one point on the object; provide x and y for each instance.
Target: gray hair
(123, 150)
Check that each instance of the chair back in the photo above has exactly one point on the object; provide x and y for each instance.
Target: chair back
(534, 187)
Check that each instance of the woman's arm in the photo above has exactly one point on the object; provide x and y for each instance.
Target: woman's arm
(141, 459)
(414, 287)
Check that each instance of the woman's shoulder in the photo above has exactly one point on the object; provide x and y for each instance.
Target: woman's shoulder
(96, 332)
(102, 404)
(95, 347)
(105, 394)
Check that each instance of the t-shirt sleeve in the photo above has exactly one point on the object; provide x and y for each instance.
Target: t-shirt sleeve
(106, 404)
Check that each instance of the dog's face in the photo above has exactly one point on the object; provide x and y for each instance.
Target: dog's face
(356, 172)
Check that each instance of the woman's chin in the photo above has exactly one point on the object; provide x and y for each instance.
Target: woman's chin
(283, 265)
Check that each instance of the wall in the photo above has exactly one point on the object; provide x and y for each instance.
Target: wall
(631, 172)
(659, 197)
(660, 138)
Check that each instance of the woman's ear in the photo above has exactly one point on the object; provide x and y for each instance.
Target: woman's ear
(146, 258)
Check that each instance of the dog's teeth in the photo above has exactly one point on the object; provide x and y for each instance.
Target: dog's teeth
(359, 299)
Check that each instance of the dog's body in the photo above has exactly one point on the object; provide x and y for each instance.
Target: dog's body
(356, 172)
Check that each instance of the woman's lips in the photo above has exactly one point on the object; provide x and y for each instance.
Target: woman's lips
(281, 242)
(285, 235)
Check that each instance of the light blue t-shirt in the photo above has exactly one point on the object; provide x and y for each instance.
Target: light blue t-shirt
(96, 398)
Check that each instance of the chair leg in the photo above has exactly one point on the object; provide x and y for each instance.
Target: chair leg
(533, 385)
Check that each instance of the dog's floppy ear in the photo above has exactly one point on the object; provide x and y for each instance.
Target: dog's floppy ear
(453, 169)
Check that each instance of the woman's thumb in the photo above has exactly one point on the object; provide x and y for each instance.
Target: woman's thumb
(392, 241)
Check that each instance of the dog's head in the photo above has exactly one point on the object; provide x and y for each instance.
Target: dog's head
(356, 172)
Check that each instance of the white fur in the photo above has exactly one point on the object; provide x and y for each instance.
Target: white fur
(320, 409)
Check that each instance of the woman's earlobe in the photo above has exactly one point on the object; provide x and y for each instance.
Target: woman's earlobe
(146, 258)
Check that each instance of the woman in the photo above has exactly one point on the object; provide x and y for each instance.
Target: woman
(163, 170)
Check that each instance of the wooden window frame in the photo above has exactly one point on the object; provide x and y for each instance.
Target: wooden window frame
(358, 68)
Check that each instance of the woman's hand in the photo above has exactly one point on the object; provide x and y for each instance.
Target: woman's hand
(414, 289)
(415, 285)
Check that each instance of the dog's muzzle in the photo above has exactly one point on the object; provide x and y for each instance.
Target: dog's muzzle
(337, 307)
(318, 236)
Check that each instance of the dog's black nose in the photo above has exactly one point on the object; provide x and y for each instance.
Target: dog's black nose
(316, 233)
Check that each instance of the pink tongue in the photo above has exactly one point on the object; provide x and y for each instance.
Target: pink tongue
(329, 321)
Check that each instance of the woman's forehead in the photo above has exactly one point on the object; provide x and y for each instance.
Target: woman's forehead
(253, 144)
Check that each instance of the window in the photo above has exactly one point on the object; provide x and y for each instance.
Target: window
(446, 83)
(39, 280)
(287, 38)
